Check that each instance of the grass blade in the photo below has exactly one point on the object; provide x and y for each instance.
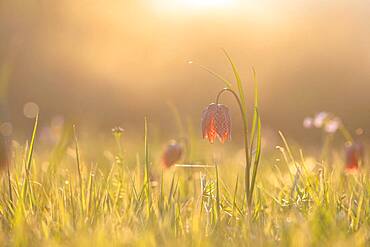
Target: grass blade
(78, 161)
(256, 157)
(228, 84)
(29, 157)
(255, 113)
(32, 144)
(146, 171)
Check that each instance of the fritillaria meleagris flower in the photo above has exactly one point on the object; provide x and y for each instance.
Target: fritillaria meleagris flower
(172, 153)
(354, 155)
(216, 123)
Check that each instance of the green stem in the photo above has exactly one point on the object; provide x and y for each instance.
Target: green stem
(146, 171)
(245, 130)
(343, 130)
(10, 186)
(78, 161)
(119, 146)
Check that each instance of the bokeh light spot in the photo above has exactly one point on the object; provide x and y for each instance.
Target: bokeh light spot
(30, 110)
(6, 129)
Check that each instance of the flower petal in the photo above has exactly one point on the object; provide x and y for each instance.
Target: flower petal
(223, 123)
(208, 122)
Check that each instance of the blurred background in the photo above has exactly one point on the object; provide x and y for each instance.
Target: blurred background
(106, 63)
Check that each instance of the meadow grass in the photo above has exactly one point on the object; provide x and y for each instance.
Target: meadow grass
(62, 197)
(70, 202)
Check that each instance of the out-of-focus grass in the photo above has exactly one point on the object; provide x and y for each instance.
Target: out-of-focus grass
(69, 201)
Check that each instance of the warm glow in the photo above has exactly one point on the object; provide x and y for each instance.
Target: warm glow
(204, 3)
(193, 4)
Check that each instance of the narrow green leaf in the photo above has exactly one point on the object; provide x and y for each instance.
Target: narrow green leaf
(228, 84)
(30, 151)
(238, 81)
(256, 157)
(243, 107)
(217, 193)
(235, 194)
(78, 161)
(146, 171)
(254, 122)
(29, 157)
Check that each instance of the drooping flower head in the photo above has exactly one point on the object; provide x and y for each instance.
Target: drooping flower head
(216, 122)
(354, 155)
(172, 153)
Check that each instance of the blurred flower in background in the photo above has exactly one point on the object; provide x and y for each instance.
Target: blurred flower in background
(327, 121)
(172, 153)
(117, 131)
(354, 156)
(320, 119)
(6, 129)
(332, 125)
(308, 122)
(51, 134)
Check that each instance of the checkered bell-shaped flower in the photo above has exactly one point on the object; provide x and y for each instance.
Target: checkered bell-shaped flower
(172, 153)
(354, 155)
(216, 122)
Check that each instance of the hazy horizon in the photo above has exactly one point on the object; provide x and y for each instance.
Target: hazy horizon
(114, 62)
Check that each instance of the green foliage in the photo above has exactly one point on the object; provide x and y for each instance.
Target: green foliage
(62, 198)
(251, 165)
(87, 205)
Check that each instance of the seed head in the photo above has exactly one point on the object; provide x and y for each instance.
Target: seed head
(117, 131)
(216, 122)
(172, 153)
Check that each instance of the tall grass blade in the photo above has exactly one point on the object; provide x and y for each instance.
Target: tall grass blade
(238, 80)
(146, 171)
(218, 204)
(256, 157)
(78, 161)
(228, 84)
(255, 112)
(32, 144)
(245, 122)
(29, 157)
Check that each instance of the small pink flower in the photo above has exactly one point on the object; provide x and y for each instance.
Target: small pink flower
(172, 154)
(308, 122)
(216, 122)
(332, 125)
(320, 119)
